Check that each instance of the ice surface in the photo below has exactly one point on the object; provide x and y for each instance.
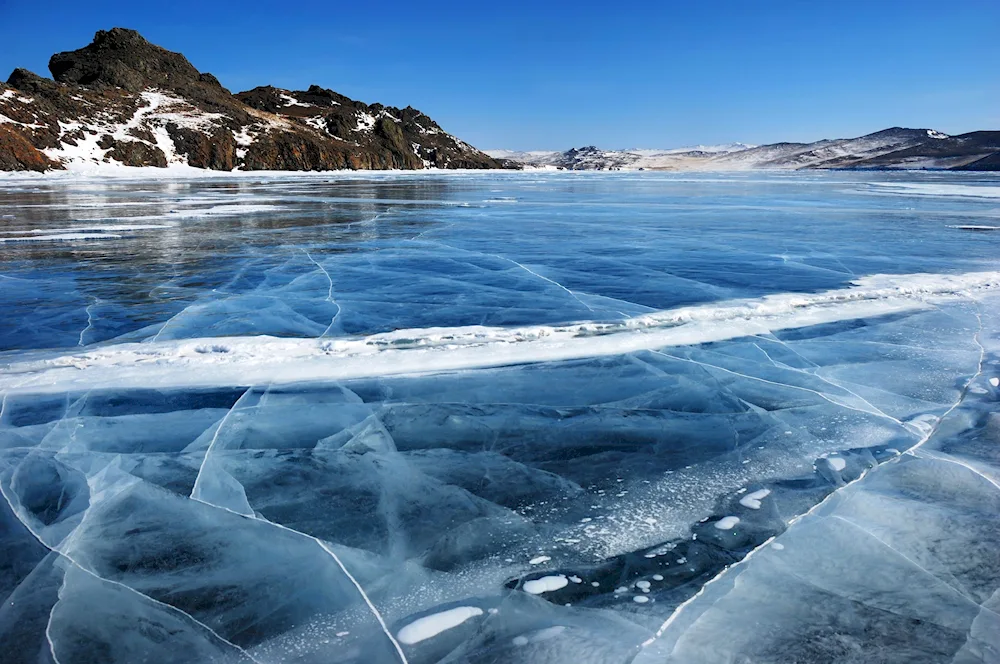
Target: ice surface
(598, 418)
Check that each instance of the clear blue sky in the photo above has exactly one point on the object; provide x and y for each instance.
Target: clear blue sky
(552, 75)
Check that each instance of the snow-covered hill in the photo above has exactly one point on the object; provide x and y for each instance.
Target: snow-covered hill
(895, 148)
(124, 101)
(593, 158)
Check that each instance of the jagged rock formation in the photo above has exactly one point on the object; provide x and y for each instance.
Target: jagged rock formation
(895, 148)
(123, 100)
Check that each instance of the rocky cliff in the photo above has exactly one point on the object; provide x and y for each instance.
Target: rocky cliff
(123, 100)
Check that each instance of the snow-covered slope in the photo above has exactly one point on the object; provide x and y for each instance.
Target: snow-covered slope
(593, 158)
(888, 149)
(837, 153)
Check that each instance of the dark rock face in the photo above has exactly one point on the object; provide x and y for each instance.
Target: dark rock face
(31, 83)
(989, 163)
(374, 136)
(216, 151)
(976, 150)
(122, 58)
(295, 153)
(18, 154)
(123, 85)
(137, 153)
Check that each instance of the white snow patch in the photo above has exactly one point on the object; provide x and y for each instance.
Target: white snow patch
(85, 229)
(222, 210)
(424, 628)
(12, 94)
(640, 599)
(292, 101)
(539, 560)
(317, 123)
(927, 189)
(60, 237)
(837, 463)
(994, 381)
(366, 121)
(243, 137)
(546, 584)
(30, 125)
(727, 523)
(156, 110)
(752, 500)
(417, 150)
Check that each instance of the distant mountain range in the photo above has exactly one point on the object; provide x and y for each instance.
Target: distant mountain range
(122, 100)
(895, 148)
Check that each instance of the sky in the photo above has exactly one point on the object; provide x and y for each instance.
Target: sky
(554, 75)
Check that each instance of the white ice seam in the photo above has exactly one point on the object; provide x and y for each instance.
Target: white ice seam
(257, 360)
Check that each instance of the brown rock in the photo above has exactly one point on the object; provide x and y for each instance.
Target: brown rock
(216, 151)
(18, 154)
(287, 151)
(101, 85)
(137, 153)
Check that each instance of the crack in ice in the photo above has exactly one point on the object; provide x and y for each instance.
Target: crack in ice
(329, 294)
(90, 319)
(97, 576)
(785, 385)
(961, 591)
(215, 437)
(195, 495)
(729, 569)
(967, 466)
(875, 409)
(48, 623)
(361, 591)
(544, 278)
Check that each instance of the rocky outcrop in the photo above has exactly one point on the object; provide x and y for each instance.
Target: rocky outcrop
(978, 150)
(395, 138)
(133, 153)
(126, 101)
(122, 58)
(215, 151)
(988, 163)
(18, 154)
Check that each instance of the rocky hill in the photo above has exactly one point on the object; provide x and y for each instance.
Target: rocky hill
(123, 100)
(895, 148)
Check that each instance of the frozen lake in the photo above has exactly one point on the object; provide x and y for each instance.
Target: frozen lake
(501, 417)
